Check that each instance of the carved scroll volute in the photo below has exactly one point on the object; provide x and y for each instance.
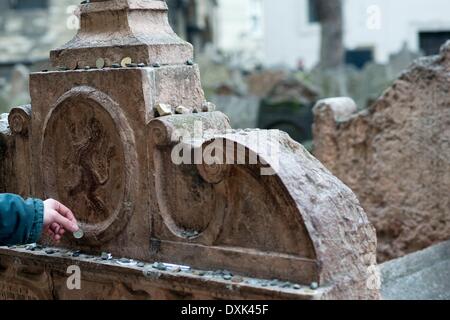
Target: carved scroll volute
(19, 120)
(213, 173)
(265, 213)
(189, 207)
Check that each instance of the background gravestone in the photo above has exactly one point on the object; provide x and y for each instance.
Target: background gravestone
(396, 155)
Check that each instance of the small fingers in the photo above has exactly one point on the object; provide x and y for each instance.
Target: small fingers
(55, 227)
(65, 223)
(66, 212)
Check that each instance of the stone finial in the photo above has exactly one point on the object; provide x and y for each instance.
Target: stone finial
(115, 29)
(342, 108)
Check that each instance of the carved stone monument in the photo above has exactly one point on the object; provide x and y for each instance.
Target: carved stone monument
(104, 141)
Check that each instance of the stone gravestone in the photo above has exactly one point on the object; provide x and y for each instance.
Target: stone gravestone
(107, 142)
(396, 155)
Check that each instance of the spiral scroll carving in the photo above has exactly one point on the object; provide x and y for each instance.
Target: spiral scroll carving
(19, 120)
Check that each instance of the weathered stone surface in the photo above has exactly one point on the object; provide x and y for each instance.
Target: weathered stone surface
(6, 147)
(15, 165)
(117, 29)
(423, 275)
(263, 208)
(241, 237)
(32, 275)
(396, 156)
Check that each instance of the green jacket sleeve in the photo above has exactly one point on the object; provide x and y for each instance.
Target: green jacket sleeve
(20, 220)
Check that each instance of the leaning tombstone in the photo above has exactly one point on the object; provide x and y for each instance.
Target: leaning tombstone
(395, 155)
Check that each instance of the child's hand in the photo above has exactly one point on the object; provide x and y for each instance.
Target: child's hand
(57, 219)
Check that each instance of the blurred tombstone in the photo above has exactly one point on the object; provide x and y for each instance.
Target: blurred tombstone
(263, 82)
(241, 110)
(401, 60)
(19, 81)
(396, 156)
(288, 107)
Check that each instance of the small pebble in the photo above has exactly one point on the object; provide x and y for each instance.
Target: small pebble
(314, 286)
(181, 110)
(49, 251)
(156, 65)
(227, 277)
(106, 256)
(159, 266)
(31, 247)
(208, 107)
(141, 65)
(297, 287)
(274, 283)
(163, 109)
(115, 65)
(141, 264)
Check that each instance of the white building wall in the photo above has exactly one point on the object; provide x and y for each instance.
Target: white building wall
(289, 37)
(240, 26)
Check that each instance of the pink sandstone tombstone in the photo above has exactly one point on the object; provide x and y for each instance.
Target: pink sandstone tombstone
(396, 155)
(95, 139)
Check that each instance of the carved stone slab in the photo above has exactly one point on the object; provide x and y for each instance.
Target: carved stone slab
(98, 142)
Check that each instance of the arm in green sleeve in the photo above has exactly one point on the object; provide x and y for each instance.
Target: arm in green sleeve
(20, 220)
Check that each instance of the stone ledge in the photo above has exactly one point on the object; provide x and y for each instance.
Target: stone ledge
(19, 262)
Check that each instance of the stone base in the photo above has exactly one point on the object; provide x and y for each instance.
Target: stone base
(26, 274)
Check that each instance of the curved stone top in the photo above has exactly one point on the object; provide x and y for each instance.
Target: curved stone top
(286, 216)
(116, 29)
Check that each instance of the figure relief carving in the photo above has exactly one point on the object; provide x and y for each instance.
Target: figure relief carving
(88, 141)
(87, 153)
(90, 155)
